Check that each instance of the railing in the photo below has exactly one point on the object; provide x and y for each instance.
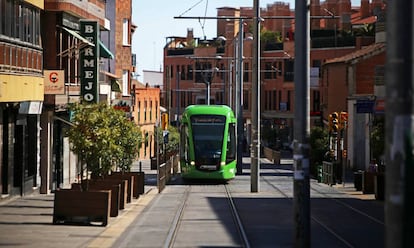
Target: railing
(166, 171)
(272, 155)
(20, 59)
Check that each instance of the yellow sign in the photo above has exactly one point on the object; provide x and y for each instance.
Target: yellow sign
(54, 82)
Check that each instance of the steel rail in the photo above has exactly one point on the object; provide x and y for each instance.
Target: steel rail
(237, 219)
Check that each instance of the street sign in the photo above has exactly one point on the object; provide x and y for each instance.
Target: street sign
(365, 106)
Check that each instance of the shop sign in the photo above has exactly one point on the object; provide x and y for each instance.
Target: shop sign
(89, 62)
(54, 82)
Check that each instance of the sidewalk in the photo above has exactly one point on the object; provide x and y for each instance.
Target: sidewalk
(27, 221)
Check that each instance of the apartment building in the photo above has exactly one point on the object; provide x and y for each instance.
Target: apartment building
(146, 113)
(84, 42)
(21, 95)
(197, 69)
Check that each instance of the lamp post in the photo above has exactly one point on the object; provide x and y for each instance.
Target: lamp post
(207, 75)
(239, 100)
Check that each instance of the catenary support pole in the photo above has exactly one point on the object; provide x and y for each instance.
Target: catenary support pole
(301, 147)
(239, 103)
(399, 125)
(255, 134)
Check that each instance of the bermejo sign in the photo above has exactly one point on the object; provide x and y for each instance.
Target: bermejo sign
(89, 59)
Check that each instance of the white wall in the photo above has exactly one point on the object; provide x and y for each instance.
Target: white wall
(153, 78)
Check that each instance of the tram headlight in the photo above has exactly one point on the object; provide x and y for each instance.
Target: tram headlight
(192, 163)
(222, 163)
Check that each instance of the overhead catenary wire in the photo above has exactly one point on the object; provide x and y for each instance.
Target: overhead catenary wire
(202, 24)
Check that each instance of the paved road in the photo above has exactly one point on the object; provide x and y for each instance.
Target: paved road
(340, 216)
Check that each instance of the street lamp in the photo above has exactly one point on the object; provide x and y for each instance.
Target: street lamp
(207, 74)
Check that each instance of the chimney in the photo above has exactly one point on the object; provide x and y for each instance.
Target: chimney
(364, 8)
(190, 37)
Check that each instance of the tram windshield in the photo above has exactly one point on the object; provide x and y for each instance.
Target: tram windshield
(208, 134)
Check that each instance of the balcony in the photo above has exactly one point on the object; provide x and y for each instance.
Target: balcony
(15, 58)
(180, 51)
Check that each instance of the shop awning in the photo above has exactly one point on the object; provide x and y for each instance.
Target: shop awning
(104, 52)
(114, 79)
(78, 36)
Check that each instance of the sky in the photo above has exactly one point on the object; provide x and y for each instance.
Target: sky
(155, 21)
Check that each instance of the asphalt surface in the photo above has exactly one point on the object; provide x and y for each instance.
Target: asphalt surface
(340, 216)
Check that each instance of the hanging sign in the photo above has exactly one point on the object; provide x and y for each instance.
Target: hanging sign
(89, 62)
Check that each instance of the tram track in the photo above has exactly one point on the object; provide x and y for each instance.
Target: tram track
(318, 219)
(176, 224)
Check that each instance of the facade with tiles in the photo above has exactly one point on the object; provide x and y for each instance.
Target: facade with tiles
(41, 49)
(21, 94)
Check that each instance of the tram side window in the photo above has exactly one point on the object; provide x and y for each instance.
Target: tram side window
(184, 143)
(231, 143)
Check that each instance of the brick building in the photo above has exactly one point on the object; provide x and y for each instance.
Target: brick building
(65, 43)
(189, 61)
(146, 114)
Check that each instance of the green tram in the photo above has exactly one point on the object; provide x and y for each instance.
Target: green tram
(208, 142)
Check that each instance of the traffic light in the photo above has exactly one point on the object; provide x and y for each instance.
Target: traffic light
(333, 122)
(343, 120)
(164, 121)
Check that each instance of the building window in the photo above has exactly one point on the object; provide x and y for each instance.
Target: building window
(150, 110)
(145, 111)
(125, 80)
(245, 100)
(289, 70)
(246, 73)
(20, 21)
(316, 101)
(125, 32)
(139, 111)
(190, 72)
(274, 100)
(288, 100)
(156, 110)
(268, 70)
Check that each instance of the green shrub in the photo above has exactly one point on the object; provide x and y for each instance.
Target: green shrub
(319, 143)
(103, 138)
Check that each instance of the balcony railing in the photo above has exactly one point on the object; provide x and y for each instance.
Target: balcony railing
(20, 59)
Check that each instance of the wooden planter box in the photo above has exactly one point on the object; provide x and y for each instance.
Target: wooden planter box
(139, 182)
(129, 178)
(123, 193)
(73, 206)
(368, 182)
(104, 185)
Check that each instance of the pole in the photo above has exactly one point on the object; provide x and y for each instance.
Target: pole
(399, 172)
(208, 92)
(301, 201)
(255, 134)
(239, 104)
(178, 95)
(168, 91)
(231, 103)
